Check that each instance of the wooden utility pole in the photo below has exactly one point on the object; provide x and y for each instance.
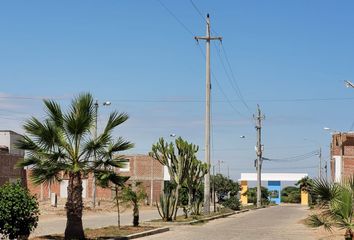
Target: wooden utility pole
(259, 117)
(207, 39)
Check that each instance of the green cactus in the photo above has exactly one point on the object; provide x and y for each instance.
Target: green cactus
(166, 207)
(177, 158)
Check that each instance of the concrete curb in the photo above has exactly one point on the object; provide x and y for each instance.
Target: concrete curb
(143, 234)
(200, 220)
(197, 220)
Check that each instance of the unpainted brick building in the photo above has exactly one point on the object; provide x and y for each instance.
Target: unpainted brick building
(140, 168)
(342, 155)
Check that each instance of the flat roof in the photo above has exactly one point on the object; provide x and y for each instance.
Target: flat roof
(273, 176)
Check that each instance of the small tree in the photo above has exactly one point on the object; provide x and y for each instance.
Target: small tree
(18, 211)
(116, 183)
(252, 195)
(134, 196)
(224, 186)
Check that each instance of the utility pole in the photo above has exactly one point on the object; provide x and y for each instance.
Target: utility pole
(214, 200)
(320, 163)
(93, 176)
(219, 165)
(259, 117)
(326, 170)
(207, 38)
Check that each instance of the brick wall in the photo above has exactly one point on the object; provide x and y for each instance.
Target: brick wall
(142, 169)
(343, 145)
(8, 171)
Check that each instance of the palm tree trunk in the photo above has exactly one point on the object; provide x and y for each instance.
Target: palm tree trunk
(348, 234)
(117, 202)
(74, 206)
(135, 215)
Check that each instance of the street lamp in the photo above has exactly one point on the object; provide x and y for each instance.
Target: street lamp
(348, 84)
(106, 103)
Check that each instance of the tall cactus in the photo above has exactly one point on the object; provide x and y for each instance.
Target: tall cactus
(176, 163)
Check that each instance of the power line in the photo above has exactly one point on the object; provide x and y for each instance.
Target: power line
(176, 18)
(220, 88)
(293, 158)
(232, 80)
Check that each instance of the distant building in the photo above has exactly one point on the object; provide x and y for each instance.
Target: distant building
(9, 156)
(342, 155)
(140, 168)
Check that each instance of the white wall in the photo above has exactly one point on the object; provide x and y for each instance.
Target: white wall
(337, 168)
(64, 188)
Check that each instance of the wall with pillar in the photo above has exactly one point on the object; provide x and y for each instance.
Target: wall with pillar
(244, 188)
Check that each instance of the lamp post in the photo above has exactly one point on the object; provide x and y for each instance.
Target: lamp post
(107, 103)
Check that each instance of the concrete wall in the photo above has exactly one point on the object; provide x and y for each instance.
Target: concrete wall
(9, 138)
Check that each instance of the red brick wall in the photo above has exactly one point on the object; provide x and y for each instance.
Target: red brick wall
(140, 171)
(343, 142)
(7, 168)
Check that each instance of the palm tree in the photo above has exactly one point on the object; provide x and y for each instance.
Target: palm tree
(305, 184)
(335, 202)
(63, 143)
(134, 196)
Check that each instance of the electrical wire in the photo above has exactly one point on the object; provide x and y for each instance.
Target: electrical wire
(293, 158)
(176, 18)
(220, 88)
(231, 77)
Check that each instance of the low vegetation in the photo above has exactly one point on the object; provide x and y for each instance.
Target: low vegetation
(18, 211)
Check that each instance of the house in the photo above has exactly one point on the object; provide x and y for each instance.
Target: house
(9, 156)
(342, 155)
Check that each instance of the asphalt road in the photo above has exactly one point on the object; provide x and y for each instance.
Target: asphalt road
(274, 223)
(56, 224)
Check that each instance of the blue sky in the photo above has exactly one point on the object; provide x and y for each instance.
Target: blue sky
(291, 57)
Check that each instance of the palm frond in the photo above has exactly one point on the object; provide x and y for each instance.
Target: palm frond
(114, 120)
(105, 177)
(317, 220)
(54, 112)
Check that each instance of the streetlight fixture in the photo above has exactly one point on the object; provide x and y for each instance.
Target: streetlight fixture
(348, 84)
(106, 103)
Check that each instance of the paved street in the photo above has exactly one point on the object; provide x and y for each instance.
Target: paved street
(280, 222)
(56, 224)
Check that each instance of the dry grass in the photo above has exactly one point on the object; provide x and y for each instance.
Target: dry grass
(103, 233)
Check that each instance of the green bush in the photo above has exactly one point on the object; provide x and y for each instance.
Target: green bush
(291, 194)
(232, 203)
(18, 211)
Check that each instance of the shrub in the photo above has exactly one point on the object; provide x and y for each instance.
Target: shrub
(232, 203)
(18, 211)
